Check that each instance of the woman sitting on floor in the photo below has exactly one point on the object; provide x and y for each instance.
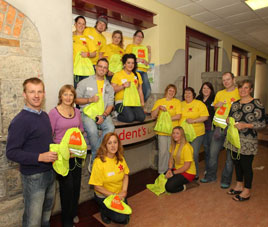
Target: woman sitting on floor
(110, 176)
(181, 162)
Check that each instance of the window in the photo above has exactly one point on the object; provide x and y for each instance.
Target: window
(239, 61)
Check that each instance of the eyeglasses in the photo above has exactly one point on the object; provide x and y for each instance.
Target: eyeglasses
(139, 36)
(102, 67)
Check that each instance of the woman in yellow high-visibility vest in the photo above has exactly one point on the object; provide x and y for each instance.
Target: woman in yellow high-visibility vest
(143, 55)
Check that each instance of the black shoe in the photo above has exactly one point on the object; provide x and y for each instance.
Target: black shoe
(126, 221)
(105, 219)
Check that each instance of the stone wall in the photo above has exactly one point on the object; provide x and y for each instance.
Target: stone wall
(20, 58)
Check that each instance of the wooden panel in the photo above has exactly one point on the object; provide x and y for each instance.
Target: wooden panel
(117, 12)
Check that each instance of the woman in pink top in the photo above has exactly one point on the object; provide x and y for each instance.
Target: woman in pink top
(63, 117)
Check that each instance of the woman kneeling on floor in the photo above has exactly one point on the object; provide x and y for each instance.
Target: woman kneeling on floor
(110, 176)
(181, 162)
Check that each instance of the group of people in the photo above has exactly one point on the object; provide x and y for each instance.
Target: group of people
(32, 131)
(89, 45)
(30, 135)
(206, 118)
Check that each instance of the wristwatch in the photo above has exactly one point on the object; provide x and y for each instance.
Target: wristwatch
(104, 117)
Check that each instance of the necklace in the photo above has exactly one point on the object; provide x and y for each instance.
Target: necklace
(66, 112)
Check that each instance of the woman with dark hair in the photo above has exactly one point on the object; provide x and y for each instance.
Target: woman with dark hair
(207, 95)
(122, 80)
(84, 51)
(249, 116)
(110, 176)
(113, 52)
(62, 118)
(194, 112)
(173, 106)
(181, 167)
(143, 55)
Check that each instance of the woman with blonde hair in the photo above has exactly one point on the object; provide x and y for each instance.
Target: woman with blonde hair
(113, 52)
(181, 166)
(110, 176)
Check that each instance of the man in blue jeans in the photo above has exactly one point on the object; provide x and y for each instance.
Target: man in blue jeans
(87, 93)
(29, 136)
(223, 99)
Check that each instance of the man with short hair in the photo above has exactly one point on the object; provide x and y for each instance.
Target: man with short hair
(89, 91)
(29, 136)
(95, 34)
(226, 96)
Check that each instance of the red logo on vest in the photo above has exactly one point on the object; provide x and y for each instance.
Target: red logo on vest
(141, 54)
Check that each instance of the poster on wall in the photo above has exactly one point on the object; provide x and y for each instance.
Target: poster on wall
(151, 72)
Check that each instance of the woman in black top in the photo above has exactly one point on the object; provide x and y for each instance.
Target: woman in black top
(249, 115)
(207, 95)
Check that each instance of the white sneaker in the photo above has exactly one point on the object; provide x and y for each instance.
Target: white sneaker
(76, 219)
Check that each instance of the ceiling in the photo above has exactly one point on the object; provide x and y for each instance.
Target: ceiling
(232, 17)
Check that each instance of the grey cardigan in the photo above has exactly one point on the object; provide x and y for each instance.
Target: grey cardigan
(88, 87)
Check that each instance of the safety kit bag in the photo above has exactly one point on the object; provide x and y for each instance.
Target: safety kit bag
(131, 96)
(188, 131)
(95, 108)
(164, 123)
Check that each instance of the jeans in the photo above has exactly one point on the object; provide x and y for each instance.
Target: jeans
(163, 153)
(38, 194)
(70, 192)
(129, 114)
(215, 148)
(92, 130)
(206, 143)
(146, 87)
(112, 215)
(196, 144)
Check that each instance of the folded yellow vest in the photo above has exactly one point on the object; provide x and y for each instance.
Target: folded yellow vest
(73, 141)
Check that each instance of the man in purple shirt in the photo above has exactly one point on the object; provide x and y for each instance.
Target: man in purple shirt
(29, 136)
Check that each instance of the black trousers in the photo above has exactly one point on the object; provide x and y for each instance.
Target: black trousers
(175, 183)
(114, 216)
(129, 114)
(70, 192)
(243, 169)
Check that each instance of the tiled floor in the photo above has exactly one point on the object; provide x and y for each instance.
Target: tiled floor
(207, 205)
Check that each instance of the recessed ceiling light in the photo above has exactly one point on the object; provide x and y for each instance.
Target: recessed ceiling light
(257, 4)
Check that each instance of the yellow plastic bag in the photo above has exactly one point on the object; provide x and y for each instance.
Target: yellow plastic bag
(83, 66)
(131, 96)
(233, 136)
(164, 123)
(115, 63)
(114, 203)
(158, 187)
(188, 131)
(94, 109)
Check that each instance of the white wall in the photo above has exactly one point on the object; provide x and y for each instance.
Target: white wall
(197, 65)
(53, 19)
